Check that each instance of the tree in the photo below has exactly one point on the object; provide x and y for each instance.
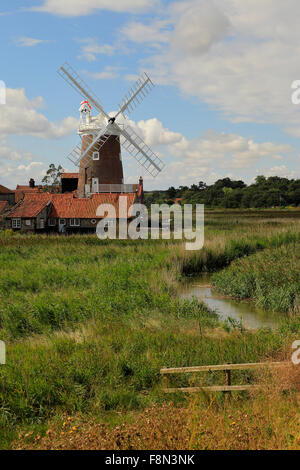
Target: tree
(232, 194)
(202, 186)
(171, 192)
(260, 180)
(52, 178)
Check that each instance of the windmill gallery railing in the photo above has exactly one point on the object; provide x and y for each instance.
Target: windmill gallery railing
(114, 188)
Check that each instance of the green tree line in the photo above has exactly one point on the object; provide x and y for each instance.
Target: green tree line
(226, 193)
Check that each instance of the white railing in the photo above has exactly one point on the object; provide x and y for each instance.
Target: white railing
(116, 188)
(94, 127)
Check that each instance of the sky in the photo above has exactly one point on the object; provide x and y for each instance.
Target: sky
(223, 71)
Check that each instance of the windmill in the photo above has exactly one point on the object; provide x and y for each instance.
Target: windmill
(98, 154)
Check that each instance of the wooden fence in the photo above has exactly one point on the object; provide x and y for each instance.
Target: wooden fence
(227, 368)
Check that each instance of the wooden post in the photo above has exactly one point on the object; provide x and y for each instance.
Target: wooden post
(165, 380)
(228, 382)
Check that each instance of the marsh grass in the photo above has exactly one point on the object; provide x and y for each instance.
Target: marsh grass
(89, 324)
(271, 279)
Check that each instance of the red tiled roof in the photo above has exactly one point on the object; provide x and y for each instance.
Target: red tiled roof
(29, 208)
(70, 175)
(66, 206)
(86, 208)
(22, 190)
(3, 205)
(27, 188)
(4, 190)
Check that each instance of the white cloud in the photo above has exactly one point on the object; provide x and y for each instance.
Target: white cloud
(154, 33)
(282, 171)
(240, 57)
(91, 48)
(155, 134)
(20, 117)
(12, 154)
(198, 28)
(11, 174)
(109, 72)
(213, 156)
(87, 7)
(28, 42)
(227, 151)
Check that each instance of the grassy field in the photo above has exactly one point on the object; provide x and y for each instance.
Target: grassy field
(88, 325)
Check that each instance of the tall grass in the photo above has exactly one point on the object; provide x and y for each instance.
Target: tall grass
(88, 324)
(271, 279)
(222, 250)
(267, 419)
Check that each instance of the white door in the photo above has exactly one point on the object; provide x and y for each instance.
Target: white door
(95, 185)
(61, 225)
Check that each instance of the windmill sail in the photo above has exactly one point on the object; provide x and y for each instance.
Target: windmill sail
(136, 95)
(138, 149)
(73, 79)
(95, 143)
(95, 137)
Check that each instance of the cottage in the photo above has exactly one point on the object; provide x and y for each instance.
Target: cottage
(21, 190)
(7, 195)
(29, 214)
(66, 212)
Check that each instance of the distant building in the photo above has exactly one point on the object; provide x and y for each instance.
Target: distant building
(41, 211)
(30, 189)
(7, 195)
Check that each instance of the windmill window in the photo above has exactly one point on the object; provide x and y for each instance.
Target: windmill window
(28, 222)
(96, 156)
(52, 222)
(74, 222)
(16, 223)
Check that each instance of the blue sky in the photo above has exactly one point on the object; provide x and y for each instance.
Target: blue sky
(223, 70)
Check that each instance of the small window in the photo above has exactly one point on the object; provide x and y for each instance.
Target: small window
(16, 223)
(93, 221)
(52, 222)
(96, 156)
(74, 222)
(28, 222)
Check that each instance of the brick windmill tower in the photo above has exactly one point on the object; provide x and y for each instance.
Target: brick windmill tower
(98, 155)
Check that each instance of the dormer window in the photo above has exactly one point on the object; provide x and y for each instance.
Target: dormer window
(96, 156)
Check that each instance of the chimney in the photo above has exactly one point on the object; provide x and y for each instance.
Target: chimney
(141, 191)
(31, 183)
